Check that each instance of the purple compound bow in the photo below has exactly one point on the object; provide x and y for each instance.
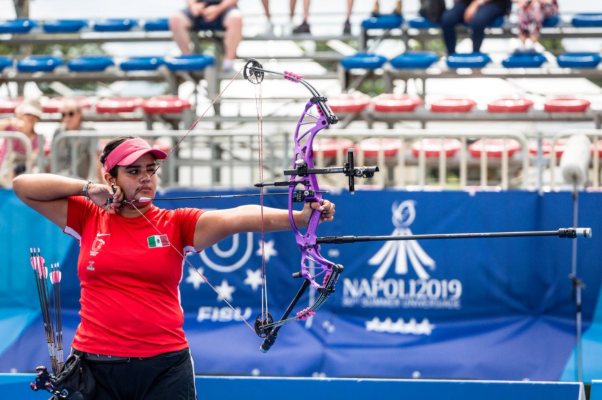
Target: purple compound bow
(316, 271)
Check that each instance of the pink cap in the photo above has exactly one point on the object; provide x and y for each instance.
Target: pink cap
(129, 151)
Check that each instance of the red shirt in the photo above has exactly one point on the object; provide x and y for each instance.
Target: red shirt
(129, 276)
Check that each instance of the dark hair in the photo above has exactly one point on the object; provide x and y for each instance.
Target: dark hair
(109, 148)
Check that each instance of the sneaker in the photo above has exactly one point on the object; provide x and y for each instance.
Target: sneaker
(347, 28)
(303, 28)
(268, 29)
(228, 66)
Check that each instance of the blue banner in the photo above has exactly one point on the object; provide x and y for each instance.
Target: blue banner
(498, 308)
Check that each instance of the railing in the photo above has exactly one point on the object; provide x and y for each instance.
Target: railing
(7, 165)
(224, 159)
(221, 159)
(203, 158)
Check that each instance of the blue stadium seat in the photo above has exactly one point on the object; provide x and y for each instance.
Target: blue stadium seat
(578, 60)
(39, 63)
(141, 63)
(156, 25)
(524, 60)
(587, 20)
(5, 62)
(364, 61)
(64, 25)
(383, 21)
(414, 60)
(19, 25)
(422, 23)
(468, 60)
(114, 25)
(190, 62)
(551, 22)
(90, 63)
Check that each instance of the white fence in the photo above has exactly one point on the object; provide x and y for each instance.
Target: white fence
(411, 158)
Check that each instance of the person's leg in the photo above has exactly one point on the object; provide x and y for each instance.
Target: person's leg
(268, 29)
(537, 21)
(375, 8)
(306, 4)
(347, 24)
(304, 27)
(175, 381)
(233, 33)
(266, 9)
(484, 15)
(293, 4)
(180, 25)
(449, 20)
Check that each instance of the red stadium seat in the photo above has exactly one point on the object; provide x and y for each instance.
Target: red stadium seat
(494, 148)
(453, 105)
(510, 105)
(331, 147)
(546, 147)
(433, 147)
(114, 105)
(348, 104)
(371, 147)
(165, 105)
(395, 103)
(8, 106)
(566, 104)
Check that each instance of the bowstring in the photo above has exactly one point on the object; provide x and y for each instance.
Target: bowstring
(259, 112)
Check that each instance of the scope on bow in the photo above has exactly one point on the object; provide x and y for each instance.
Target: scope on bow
(348, 169)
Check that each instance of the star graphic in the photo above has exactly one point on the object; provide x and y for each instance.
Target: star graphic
(253, 279)
(224, 291)
(268, 250)
(195, 277)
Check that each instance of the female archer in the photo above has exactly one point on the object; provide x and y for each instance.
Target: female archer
(130, 264)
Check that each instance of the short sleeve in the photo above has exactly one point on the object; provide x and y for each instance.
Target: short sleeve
(78, 209)
(187, 219)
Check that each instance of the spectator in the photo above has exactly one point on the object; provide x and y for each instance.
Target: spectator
(214, 15)
(27, 115)
(304, 27)
(531, 14)
(72, 119)
(476, 14)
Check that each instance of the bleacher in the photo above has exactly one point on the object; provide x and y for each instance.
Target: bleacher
(421, 110)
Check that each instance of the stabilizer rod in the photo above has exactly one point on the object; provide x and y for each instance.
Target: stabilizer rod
(570, 233)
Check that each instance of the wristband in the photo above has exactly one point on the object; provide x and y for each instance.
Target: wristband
(86, 189)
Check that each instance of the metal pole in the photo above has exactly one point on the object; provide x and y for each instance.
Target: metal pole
(577, 286)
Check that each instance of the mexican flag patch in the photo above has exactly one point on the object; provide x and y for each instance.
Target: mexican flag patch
(157, 241)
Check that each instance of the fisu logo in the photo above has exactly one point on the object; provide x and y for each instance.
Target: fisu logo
(231, 254)
(402, 251)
